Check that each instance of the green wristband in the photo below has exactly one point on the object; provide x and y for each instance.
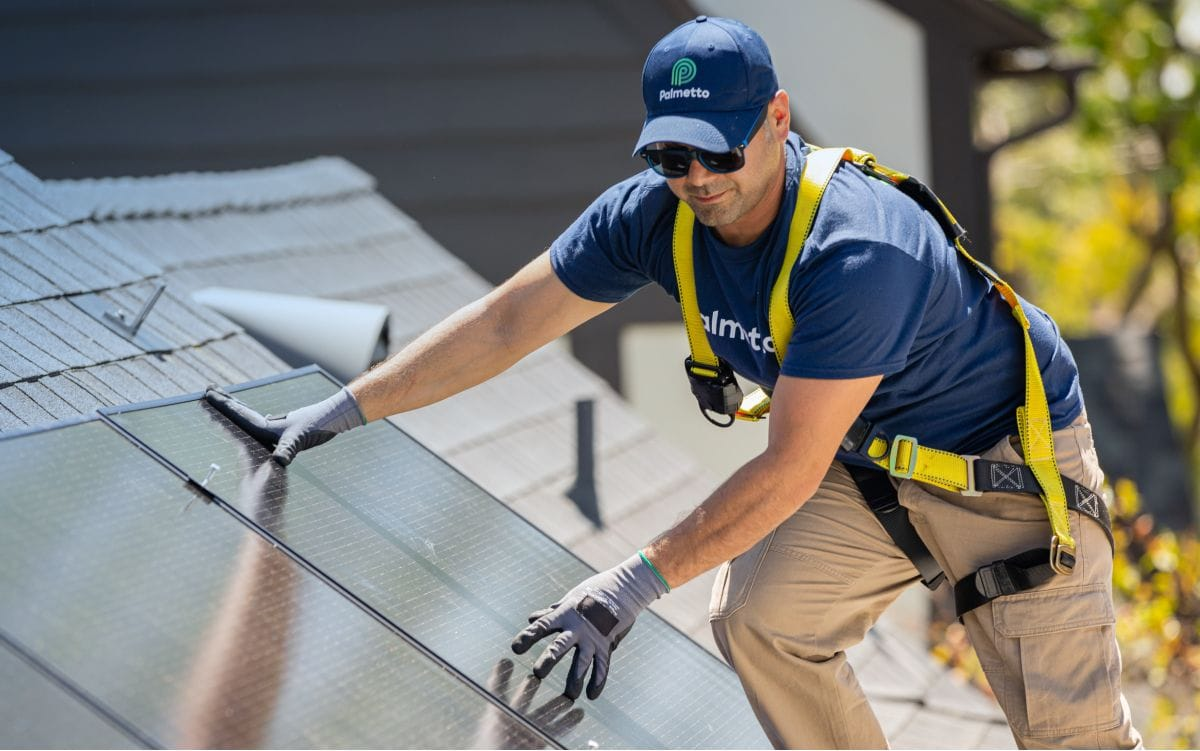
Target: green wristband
(652, 568)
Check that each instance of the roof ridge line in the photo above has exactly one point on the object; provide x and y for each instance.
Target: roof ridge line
(288, 251)
(225, 208)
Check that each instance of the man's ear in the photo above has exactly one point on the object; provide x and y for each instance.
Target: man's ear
(779, 113)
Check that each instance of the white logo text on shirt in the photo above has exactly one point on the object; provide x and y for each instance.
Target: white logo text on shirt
(715, 325)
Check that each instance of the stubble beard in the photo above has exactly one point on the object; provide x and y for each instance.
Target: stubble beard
(732, 207)
(728, 211)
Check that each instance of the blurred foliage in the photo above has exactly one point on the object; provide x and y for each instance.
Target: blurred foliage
(1156, 589)
(1156, 584)
(1098, 220)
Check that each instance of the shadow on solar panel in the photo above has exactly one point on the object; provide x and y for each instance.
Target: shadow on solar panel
(132, 615)
(412, 541)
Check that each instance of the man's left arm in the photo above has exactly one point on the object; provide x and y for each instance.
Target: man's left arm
(809, 418)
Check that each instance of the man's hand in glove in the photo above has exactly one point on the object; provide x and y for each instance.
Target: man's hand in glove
(592, 618)
(297, 430)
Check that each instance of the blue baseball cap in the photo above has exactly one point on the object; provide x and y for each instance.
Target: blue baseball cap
(705, 85)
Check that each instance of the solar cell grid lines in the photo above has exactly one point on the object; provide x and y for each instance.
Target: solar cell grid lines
(412, 540)
(152, 619)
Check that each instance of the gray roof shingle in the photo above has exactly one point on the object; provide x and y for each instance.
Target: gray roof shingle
(25, 408)
(57, 361)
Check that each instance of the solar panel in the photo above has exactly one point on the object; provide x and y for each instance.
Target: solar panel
(417, 542)
(37, 712)
(168, 618)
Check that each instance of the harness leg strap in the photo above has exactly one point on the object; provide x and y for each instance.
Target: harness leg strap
(1005, 577)
(881, 497)
(1031, 568)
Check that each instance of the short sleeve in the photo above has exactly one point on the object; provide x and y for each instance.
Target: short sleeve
(601, 255)
(857, 307)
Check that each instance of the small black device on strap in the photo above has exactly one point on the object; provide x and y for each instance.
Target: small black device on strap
(716, 391)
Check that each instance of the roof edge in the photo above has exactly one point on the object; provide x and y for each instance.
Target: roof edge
(191, 193)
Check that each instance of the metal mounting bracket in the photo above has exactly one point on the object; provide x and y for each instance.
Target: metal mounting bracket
(121, 322)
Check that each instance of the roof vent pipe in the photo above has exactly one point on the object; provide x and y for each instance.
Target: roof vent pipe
(341, 336)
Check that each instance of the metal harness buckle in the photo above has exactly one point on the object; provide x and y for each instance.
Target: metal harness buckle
(895, 453)
(1062, 557)
(970, 490)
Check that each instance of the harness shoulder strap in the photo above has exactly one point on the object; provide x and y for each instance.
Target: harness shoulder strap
(704, 365)
(902, 456)
(819, 167)
(818, 171)
(703, 357)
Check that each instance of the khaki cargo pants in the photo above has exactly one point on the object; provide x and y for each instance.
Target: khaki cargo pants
(784, 612)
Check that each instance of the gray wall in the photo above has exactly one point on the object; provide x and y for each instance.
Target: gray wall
(492, 123)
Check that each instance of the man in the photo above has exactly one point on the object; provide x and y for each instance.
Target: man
(893, 329)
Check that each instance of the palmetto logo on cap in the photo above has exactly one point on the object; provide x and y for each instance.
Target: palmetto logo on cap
(683, 71)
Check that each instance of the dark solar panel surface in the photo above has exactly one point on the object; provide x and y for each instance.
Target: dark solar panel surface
(186, 627)
(454, 568)
(36, 712)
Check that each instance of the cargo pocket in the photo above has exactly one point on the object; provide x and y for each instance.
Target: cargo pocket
(1061, 644)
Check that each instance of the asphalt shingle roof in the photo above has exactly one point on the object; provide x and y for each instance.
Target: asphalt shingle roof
(56, 361)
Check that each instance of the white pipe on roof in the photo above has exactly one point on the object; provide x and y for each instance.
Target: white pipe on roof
(341, 336)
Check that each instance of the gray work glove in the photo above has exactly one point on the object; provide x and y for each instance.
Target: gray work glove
(592, 618)
(297, 430)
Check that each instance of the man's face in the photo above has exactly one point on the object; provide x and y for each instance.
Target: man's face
(727, 201)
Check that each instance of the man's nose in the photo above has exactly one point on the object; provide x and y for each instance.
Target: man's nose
(698, 174)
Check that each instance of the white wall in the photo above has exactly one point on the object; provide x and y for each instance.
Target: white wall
(654, 383)
(855, 71)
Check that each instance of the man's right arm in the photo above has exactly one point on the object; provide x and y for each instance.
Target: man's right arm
(475, 343)
(480, 340)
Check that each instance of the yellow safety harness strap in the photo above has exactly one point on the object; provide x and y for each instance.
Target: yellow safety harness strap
(902, 456)
(704, 360)
(818, 171)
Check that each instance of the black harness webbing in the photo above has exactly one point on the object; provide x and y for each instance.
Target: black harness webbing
(1004, 577)
(880, 495)
(1031, 568)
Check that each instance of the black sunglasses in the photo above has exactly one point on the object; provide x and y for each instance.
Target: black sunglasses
(675, 161)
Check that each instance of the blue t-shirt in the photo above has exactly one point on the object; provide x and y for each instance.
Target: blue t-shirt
(877, 290)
